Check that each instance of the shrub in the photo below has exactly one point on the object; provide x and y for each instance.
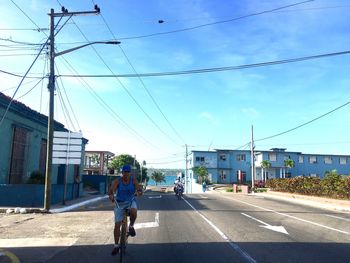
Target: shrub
(36, 177)
(333, 185)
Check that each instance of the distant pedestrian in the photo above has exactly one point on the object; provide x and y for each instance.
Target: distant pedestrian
(204, 186)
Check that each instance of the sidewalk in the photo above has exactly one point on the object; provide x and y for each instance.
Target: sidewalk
(314, 201)
(87, 198)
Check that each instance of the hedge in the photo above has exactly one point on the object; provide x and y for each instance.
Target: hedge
(333, 185)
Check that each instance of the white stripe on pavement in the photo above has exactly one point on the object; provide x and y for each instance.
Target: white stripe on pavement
(338, 217)
(286, 215)
(231, 243)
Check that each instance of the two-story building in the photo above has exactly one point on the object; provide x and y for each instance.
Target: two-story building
(233, 166)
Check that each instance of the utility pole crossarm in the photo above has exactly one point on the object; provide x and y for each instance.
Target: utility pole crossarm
(75, 13)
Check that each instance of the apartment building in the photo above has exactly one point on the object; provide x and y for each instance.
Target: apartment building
(233, 166)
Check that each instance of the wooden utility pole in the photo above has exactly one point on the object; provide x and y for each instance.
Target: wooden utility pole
(51, 88)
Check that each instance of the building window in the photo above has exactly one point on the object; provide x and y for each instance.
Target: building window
(301, 159)
(19, 154)
(240, 157)
(328, 160)
(222, 175)
(199, 159)
(286, 157)
(42, 160)
(342, 160)
(272, 157)
(312, 159)
(223, 157)
(241, 176)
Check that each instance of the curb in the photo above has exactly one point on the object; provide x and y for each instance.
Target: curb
(325, 203)
(54, 210)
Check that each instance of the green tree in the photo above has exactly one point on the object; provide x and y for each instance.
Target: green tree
(288, 163)
(158, 177)
(120, 160)
(95, 160)
(201, 172)
(265, 164)
(125, 159)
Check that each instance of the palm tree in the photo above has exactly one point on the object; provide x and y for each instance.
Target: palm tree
(288, 163)
(265, 164)
(201, 172)
(158, 177)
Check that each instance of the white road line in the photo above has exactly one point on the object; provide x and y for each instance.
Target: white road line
(338, 217)
(155, 197)
(286, 215)
(279, 229)
(231, 243)
(148, 224)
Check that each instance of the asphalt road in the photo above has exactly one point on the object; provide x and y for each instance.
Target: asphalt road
(210, 227)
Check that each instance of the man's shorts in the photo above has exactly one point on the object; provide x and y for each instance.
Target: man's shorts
(119, 208)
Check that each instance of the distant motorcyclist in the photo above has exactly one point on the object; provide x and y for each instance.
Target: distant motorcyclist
(179, 188)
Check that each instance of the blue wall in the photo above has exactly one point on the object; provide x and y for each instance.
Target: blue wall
(98, 182)
(32, 195)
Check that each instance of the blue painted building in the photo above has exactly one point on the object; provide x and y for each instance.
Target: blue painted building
(233, 166)
(23, 140)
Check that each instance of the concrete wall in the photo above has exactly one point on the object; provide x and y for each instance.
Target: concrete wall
(32, 195)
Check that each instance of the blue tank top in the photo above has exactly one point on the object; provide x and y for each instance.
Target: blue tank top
(126, 192)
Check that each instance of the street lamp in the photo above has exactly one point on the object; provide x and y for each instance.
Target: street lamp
(51, 87)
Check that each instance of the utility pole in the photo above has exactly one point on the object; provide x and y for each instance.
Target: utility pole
(51, 88)
(186, 171)
(252, 159)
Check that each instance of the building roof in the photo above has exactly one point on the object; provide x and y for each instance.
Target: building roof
(105, 152)
(24, 111)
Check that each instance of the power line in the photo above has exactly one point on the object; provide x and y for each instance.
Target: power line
(123, 86)
(24, 29)
(28, 17)
(70, 105)
(14, 94)
(297, 127)
(108, 108)
(208, 70)
(217, 22)
(23, 95)
(176, 161)
(308, 122)
(20, 42)
(141, 81)
(232, 19)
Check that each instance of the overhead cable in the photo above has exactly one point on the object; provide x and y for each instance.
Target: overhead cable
(208, 70)
(126, 90)
(217, 22)
(14, 94)
(142, 83)
(308, 122)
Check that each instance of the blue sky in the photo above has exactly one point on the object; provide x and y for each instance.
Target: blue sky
(154, 117)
